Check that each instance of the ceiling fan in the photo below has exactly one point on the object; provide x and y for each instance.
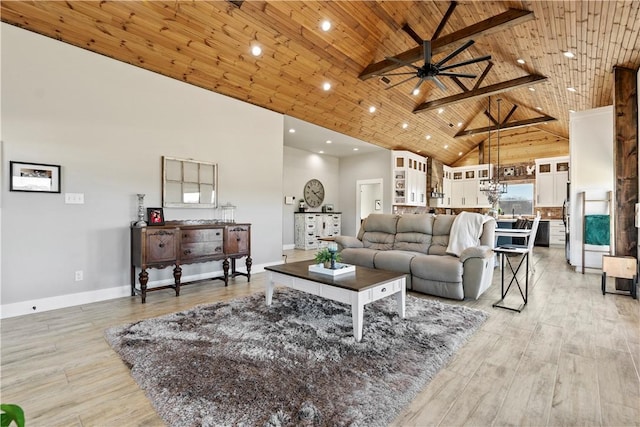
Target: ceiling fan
(431, 70)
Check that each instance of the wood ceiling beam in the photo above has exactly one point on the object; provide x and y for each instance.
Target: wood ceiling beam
(491, 25)
(512, 125)
(494, 89)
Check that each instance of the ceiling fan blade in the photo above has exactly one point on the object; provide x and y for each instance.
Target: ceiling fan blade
(399, 83)
(417, 86)
(470, 61)
(455, 52)
(426, 46)
(438, 82)
(468, 76)
(398, 61)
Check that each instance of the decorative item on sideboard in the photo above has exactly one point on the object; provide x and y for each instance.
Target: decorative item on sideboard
(141, 222)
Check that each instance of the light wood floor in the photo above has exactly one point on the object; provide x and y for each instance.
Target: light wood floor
(570, 358)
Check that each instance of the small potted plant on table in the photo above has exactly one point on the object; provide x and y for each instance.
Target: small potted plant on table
(326, 255)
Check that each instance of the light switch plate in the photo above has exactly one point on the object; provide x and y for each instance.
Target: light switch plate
(74, 198)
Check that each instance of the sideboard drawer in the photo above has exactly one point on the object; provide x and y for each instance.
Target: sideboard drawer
(202, 235)
(200, 250)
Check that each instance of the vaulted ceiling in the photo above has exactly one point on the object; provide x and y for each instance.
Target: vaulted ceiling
(208, 44)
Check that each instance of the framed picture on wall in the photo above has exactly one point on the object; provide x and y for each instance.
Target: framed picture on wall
(34, 177)
(155, 216)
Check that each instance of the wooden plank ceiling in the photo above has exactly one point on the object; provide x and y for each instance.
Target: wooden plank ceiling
(208, 44)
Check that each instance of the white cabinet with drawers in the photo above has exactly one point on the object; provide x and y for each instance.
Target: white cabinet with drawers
(312, 226)
(556, 233)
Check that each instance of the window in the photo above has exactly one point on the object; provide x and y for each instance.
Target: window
(518, 200)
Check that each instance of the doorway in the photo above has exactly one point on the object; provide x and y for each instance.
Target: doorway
(369, 199)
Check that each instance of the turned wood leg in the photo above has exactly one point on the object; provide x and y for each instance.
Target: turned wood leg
(177, 274)
(225, 268)
(144, 278)
(133, 281)
(248, 264)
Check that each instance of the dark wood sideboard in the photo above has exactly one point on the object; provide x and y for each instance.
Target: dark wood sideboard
(187, 242)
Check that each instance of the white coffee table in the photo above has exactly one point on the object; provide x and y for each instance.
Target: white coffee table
(359, 288)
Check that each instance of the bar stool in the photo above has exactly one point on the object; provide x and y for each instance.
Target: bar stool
(523, 251)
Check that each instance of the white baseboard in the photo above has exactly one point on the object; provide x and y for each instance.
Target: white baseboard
(288, 247)
(70, 300)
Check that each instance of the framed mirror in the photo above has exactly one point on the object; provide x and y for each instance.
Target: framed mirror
(188, 183)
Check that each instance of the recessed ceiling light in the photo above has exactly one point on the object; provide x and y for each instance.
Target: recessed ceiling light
(572, 111)
(292, 130)
(405, 125)
(571, 89)
(355, 149)
(372, 109)
(459, 124)
(539, 108)
(416, 91)
(520, 61)
(569, 54)
(326, 86)
(256, 50)
(326, 25)
(428, 136)
(460, 153)
(446, 146)
(440, 110)
(329, 141)
(320, 152)
(532, 89)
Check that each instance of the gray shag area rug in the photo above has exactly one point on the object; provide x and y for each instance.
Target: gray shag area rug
(295, 363)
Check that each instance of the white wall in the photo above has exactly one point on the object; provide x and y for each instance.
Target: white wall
(108, 124)
(592, 170)
(299, 167)
(352, 169)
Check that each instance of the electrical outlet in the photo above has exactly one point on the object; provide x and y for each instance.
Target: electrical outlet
(78, 275)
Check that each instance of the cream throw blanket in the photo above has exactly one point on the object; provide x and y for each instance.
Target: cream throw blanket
(465, 232)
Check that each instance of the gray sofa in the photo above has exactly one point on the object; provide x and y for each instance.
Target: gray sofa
(417, 245)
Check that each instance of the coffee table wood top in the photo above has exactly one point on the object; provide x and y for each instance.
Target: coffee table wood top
(360, 280)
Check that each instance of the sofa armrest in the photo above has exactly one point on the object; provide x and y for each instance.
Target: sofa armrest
(476, 252)
(348, 242)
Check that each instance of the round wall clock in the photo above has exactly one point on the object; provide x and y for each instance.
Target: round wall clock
(313, 193)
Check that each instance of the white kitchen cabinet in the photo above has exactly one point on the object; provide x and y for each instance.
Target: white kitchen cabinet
(447, 175)
(557, 233)
(409, 179)
(465, 186)
(552, 175)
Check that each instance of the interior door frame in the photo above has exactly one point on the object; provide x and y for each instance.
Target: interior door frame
(359, 184)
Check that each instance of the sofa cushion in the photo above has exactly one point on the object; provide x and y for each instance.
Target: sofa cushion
(441, 229)
(379, 231)
(359, 256)
(442, 268)
(414, 233)
(394, 260)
